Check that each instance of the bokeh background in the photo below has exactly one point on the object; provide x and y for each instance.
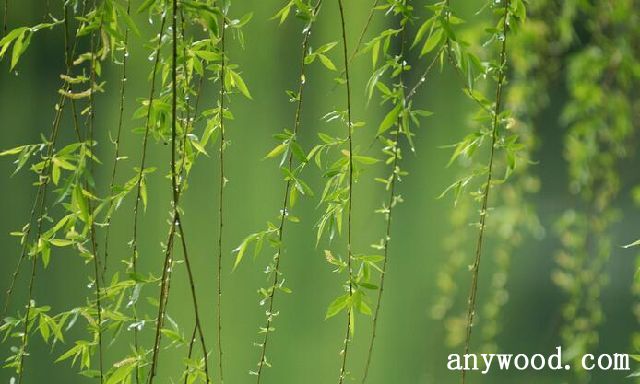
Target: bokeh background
(411, 346)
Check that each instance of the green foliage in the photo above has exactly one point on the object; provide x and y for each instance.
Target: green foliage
(501, 62)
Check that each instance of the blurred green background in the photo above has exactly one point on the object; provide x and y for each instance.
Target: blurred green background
(411, 345)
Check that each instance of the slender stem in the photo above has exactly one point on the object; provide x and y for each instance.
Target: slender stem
(345, 50)
(194, 298)
(92, 227)
(45, 183)
(187, 125)
(164, 296)
(23, 253)
(363, 32)
(285, 203)
(423, 77)
(145, 140)
(42, 197)
(136, 208)
(221, 191)
(165, 282)
(56, 121)
(475, 269)
(116, 154)
(390, 204)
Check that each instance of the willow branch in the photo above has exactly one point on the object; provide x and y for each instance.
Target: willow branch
(56, 122)
(138, 186)
(345, 349)
(164, 285)
(116, 153)
(34, 263)
(40, 203)
(285, 203)
(391, 202)
(221, 191)
(182, 170)
(475, 269)
(92, 227)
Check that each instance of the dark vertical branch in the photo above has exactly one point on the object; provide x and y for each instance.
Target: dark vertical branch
(136, 208)
(40, 202)
(349, 208)
(56, 122)
(475, 269)
(182, 171)
(196, 309)
(164, 297)
(92, 228)
(23, 253)
(145, 140)
(221, 190)
(34, 263)
(166, 270)
(116, 153)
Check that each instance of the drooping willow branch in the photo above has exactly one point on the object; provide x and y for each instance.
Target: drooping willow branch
(143, 158)
(40, 202)
(400, 117)
(34, 263)
(197, 329)
(92, 226)
(177, 171)
(284, 212)
(221, 184)
(198, 325)
(345, 51)
(116, 142)
(166, 269)
(391, 185)
(141, 175)
(525, 98)
(50, 146)
(475, 268)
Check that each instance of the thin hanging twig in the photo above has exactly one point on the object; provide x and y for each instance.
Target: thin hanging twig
(40, 202)
(176, 222)
(166, 270)
(34, 263)
(345, 348)
(285, 203)
(390, 204)
(197, 329)
(145, 140)
(363, 33)
(194, 298)
(91, 223)
(61, 103)
(475, 269)
(116, 152)
(221, 190)
(136, 208)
